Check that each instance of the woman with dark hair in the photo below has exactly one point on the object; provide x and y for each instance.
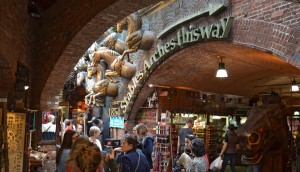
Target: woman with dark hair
(64, 151)
(186, 157)
(199, 163)
(85, 156)
(132, 160)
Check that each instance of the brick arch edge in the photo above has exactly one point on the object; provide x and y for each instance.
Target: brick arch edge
(76, 48)
(280, 40)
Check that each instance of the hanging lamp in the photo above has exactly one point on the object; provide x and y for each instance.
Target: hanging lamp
(295, 87)
(221, 73)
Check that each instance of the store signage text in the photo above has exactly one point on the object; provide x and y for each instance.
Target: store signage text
(183, 37)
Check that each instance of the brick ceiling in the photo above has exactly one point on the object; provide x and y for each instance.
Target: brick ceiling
(249, 71)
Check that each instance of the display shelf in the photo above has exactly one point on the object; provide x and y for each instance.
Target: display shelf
(211, 144)
(163, 146)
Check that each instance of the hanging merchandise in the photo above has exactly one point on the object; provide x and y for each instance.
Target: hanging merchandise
(163, 146)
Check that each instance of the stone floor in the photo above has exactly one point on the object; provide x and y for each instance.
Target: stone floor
(49, 163)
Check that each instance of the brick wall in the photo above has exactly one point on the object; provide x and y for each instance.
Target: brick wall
(15, 44)
(272, 26)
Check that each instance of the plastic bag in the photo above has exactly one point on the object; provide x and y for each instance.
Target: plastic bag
(216, 164)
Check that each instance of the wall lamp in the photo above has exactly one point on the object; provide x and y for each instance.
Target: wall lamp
(158, 86)
(221, 73)
(295, 87)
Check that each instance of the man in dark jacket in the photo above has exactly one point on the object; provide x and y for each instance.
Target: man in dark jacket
(230, 148)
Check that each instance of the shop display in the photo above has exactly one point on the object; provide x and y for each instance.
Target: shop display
(15, 138)
(211, 141)
(163, 146)
(148, 117)
(174, 138)
(199, 132)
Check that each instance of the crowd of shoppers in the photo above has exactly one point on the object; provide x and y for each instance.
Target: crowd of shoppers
(81, 153)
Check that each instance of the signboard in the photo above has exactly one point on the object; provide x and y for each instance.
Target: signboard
(15, 138)
(117, 122)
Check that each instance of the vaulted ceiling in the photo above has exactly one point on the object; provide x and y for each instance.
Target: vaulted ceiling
(60, 44)
(251, 72)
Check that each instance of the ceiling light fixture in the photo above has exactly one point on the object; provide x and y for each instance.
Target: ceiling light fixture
(295, 87)
(221, 73)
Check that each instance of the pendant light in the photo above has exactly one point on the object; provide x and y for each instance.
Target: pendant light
(221, 73)
(295, 87)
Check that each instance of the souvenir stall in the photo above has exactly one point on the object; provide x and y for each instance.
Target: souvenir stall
(174, 108)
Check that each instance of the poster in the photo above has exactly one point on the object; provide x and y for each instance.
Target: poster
(16, 136)
(117, 122)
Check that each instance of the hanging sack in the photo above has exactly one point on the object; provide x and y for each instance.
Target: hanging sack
(216, 164)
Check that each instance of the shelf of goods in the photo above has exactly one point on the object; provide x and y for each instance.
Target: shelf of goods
(211, 141)
(220, 135)
(199, 132)
(163, 146)
(174, 138)
(148, 117)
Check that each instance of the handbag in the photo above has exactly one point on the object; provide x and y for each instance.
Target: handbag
(137, 166)
(48, 128)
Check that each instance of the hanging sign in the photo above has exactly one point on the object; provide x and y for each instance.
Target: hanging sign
(117, 122)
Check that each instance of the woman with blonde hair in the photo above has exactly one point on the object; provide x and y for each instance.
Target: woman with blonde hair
(94, 134)
(147, 142)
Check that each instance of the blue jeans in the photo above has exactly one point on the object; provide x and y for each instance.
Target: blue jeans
(229, 157)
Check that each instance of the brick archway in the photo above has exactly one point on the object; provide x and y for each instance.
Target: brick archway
(80, 43)
(250, 29)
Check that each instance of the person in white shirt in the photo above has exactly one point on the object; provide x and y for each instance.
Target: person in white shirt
(49, 127)
(94, 134)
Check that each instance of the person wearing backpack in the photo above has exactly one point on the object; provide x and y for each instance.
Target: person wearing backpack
(230, 148)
